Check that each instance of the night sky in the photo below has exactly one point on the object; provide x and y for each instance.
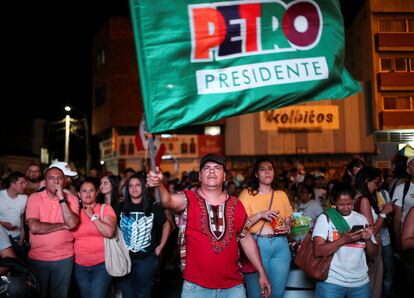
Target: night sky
(48, 53)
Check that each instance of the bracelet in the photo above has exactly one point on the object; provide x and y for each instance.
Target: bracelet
(64, 200)
(94, 217)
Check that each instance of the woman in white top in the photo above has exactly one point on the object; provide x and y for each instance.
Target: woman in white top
(348, 272)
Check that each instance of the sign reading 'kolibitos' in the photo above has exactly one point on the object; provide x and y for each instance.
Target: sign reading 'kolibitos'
(201, 61)
(301, 117)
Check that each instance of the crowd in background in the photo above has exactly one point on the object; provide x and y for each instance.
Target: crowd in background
(103, 201)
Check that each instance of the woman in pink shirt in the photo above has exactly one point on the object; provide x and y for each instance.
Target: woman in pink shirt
(90, 273)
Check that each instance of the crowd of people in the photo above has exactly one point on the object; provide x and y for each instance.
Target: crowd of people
(230, 233)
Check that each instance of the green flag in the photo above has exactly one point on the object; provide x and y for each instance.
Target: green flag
(201, 61)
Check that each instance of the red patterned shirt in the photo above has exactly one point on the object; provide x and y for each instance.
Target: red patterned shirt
(212, 255)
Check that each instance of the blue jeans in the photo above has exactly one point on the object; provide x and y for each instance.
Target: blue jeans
(139, 283)
(192, 290)
(55, 275)
(388, 277)
(276, 258)
(93, 281)
(328, 290)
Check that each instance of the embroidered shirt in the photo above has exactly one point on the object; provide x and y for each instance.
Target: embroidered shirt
(211, 234)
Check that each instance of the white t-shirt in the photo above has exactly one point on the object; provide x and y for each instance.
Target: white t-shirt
(312, 208)
(11, 211)
(409, 199)
(385, 234)
(320, 195)
(4, 239)
(349, 265)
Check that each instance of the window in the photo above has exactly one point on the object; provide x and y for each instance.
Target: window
(410, 25)
(411, 63)
(386, 64)
(400, 64)
(391, 25)
(100, 96)
(397, 102)
(100, 58)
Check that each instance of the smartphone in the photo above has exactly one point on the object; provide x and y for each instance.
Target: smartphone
(357, 228)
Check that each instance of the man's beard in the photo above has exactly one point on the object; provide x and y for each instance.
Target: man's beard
(34, 180)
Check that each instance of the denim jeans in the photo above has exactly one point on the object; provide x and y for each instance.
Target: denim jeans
(139, 283)
(55, 275)
(21, 251)
(328, 290)
(192, 290)
(276, 258)
(93, 281)
(388, 277)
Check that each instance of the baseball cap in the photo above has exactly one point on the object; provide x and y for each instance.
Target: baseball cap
(64, 167)
(213, 158)
(410, 160)
(319, 174)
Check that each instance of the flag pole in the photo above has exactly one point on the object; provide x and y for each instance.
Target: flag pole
(153, 165)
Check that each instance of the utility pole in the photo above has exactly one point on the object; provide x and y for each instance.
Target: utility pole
(67, 134)
(87, 145)
(85, 122)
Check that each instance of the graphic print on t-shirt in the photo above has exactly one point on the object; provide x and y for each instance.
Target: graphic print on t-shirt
(136, 229)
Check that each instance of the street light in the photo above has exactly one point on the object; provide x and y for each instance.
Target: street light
(87, 142)
(67, 133)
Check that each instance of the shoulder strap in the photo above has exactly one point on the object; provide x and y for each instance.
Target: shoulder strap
(384, 195)
(392, 189)
(406, 187)
(102, 209)
(357, 202)
(270, 206)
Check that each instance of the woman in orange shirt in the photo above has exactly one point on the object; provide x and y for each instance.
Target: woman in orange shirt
(269, 212)
(90, 273)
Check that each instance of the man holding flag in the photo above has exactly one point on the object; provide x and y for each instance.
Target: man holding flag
(221, 59)
(212, 223)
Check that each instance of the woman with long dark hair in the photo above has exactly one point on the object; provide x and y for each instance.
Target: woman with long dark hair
(145, 229)
(351, 171)
(269, 212)
(108, 192)
(367, 183)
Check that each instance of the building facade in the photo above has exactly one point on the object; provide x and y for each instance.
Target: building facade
(380, 51)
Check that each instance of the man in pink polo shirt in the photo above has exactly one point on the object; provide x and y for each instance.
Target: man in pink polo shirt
(51, 214)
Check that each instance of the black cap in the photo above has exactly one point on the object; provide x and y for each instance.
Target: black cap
(212, 157)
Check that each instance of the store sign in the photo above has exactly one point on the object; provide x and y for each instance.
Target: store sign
(193, 146)
(301, 117)
(210, 144)
(181, 145)
(106, 149)
(126, 146)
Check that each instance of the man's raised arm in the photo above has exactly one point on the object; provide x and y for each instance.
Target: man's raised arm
(176, 202)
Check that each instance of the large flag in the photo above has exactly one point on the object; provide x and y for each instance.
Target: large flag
(201, 61)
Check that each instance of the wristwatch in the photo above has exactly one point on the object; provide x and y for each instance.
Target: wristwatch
(64, 200)
(94, 217)
(383, 215)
